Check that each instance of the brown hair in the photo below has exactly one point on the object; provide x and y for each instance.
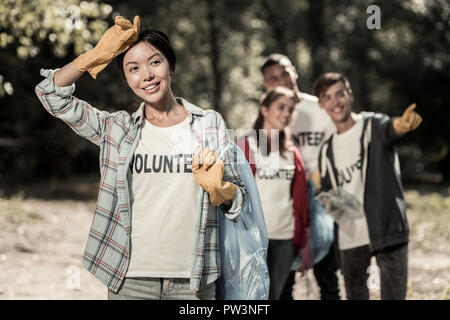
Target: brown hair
(326, 80)
(276, 58)
(156, 38)
(266, 100)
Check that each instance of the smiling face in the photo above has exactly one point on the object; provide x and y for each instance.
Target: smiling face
(148, 73)
(337, 102)
(279, 114)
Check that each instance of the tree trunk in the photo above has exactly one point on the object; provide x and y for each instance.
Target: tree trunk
(316, 36)
(277, 25)
(446, 167)
(215, 59)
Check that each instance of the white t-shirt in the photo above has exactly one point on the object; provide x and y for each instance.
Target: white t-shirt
(163, 202)
(273, 177)
(348, 162)
(310, 126)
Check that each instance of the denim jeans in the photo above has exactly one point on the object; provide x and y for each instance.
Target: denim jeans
(161, 289)
(280, 255)
(393, 266)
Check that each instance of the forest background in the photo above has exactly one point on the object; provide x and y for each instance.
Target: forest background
(49, 176)
(220, 46)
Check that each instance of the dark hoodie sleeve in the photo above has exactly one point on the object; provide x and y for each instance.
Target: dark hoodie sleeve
(383, 126)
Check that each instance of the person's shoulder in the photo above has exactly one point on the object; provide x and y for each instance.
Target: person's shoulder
(379, 122)
(212, 113)
(294, 153)
(135, 114)
(201, 113)
(308, 97)
(189, 106)
(309, 108)
(327, 140)
(123, 118)
(309, 104)
(212, 117)
(372, 114)
(290, 146)
(377, 118)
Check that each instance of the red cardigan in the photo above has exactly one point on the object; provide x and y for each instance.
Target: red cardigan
(299, 194)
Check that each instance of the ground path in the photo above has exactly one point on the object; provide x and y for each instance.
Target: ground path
(42, 242)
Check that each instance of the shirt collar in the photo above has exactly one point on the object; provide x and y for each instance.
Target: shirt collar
(192, 110)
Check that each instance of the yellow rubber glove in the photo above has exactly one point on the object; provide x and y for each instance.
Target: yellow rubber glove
(409, 121)
(315, 178)
(114, 41)
(208, 173)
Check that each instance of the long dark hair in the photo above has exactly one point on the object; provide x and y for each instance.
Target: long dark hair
(157, 39)
(266, 100)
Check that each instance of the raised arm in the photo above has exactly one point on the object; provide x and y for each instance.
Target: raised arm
(55, 91)
(115, 41)
(67, 75)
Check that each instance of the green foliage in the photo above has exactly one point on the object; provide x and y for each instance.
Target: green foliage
(35, 34)
(25, 25)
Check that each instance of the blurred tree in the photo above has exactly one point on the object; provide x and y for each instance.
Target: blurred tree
(220, 46)
(36, 34)
(211, 40)
(26, 25)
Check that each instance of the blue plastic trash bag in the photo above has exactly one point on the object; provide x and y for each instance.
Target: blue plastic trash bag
(243, 246)
(322, 229)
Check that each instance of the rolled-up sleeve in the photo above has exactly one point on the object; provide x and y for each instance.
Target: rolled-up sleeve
(81, 117)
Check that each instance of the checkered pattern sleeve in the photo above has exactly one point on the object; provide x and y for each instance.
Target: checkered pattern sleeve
(231, 173)
(81, 117)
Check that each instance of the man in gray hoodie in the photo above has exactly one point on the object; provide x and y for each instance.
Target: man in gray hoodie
(361, 160)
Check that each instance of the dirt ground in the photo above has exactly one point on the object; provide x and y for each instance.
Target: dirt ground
(42, 242)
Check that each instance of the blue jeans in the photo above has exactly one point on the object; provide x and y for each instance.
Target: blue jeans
(161, 289)
(280, 255)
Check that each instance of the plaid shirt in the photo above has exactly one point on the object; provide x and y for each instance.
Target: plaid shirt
(107, 253)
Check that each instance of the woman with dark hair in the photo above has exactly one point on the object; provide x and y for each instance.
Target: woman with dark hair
(281, 181)
(155, 228)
